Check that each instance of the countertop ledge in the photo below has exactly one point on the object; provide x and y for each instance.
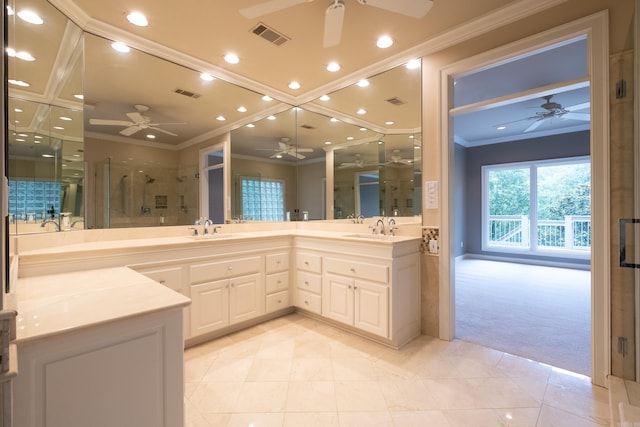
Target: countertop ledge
(193, 241)
(60, 303)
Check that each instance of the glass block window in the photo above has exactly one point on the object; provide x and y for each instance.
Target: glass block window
(35, 198)
(262, 199)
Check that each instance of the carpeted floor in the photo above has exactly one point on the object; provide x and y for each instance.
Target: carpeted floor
(541, 313)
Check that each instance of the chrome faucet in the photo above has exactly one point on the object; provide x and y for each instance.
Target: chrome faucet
(206, 222)
(47, 221)
(392, 226)
(381, 222)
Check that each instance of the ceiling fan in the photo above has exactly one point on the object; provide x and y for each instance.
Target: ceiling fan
(397, 160)
(553, 109)
(357, 163)
(138, 122)
(285, 148)
(334, 15)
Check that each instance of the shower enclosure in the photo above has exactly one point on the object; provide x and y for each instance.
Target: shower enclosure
(130, 196)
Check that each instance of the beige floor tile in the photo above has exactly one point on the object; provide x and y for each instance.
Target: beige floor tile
(264, 396)
(256, 420)
(216, 397)
(311, 396)
(419, 419)
(493, 417)
(358, 396)
(311, 419)
(229, 370)
(308, 369)
(365, 419)
(270, 370)
(353, 368)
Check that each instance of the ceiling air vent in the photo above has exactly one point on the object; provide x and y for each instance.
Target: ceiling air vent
(309, 127)
(188, 93)
(269, 34)
(395, 101)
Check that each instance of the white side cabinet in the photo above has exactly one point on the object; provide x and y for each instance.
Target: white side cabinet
(357, 294)
(277, 281)
(309, 281)
(224, 292)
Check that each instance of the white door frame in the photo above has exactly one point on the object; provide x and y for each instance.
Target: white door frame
(595, 28)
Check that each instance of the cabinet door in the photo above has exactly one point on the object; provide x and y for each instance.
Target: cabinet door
(337, 298)
(246, 298)
(209, 307)
(371, 308)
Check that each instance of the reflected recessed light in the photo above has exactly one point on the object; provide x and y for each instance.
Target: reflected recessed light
(206, 77)
(231, 58)
(361, 111)
(242, 109)
(333, 67)
(328, 143)
(271, 118)
(67, 119)
(363, 83)
(503, 127)
(350, 138)
(363, 129)
(413, 64)
(25, 56)
(251, 125)
(48, 155)
(324, 98)
(151, 136)
(221, 118)
(389, 122)
(137, 18)
(267, 98)
(384, 42)
(278, 156)
(294, 85)
(38, 137)
(36, 142)
(58, 128)
(20, 140)
(19, 83)
(24, 135)
(78, 96)
(76, 155)
(17, 110)
(120, 47)
(334, 120)
(30, 16)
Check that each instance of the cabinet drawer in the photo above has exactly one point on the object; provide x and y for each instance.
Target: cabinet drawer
(216, 270)
(309, 281)
(277, 282)
(360, 270)
(277, 262)
(309, 262)
(171, 277)
(277, 301)
(309, 301)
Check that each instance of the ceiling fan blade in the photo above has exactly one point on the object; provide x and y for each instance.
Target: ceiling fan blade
(333, 20)
(130, 130)
(268, 7)
(578, 107)
(163, 131)
(136, 117)
(412, 8)
(304, 150)
(534, 125)
(110, 122)
(297, 155)
(577, 116)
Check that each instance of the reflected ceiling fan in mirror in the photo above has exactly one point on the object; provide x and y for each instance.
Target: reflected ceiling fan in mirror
(138, 122)
(397, 161)
(289, 149)
(334, 15)
(555, 110)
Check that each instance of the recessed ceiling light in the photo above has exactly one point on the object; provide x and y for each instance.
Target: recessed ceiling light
(384, 42)
(76, 155)
(17, 110)
(242, 109)
(20, 140)
(361, 111)
(38, 137)
(350, 138)
(30, 16)
(267, 98)
(120, 47)
(413, 64)
(363, 83)
(19, 83)
(324, 98)
(66, 119)
(334, 120)
(78, 96)
(503, 127)
(294, 85)
(151, 136)
(333, 67)
(363, 129)
(24, 135)
(58, 128)
(251, 125)
(206, 77)
(36, 142)
(389, 122)
(271, 118)
(278, 156)
(221, 118)
(137, 18)
(231, 58)
(328, 143)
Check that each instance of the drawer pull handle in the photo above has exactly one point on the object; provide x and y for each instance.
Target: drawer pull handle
(306, 302)
(279, 301)
(353, 270)
(349, 286)
(306, 282)
(230, 268)
(233, 285)
(279, 281)
(162, 281)
(306, 263)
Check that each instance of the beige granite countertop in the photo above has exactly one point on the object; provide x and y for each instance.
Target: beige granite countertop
(59, 303)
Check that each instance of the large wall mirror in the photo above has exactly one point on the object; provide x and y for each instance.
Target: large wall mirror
(129, 155)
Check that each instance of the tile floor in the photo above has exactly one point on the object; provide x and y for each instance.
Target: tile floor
(296, 371)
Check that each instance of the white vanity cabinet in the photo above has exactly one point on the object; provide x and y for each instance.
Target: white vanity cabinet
(309, 281)
(357, 294)
(225, 292)
(277, 281)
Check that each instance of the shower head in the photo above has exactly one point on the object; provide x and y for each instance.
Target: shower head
(149, 179)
